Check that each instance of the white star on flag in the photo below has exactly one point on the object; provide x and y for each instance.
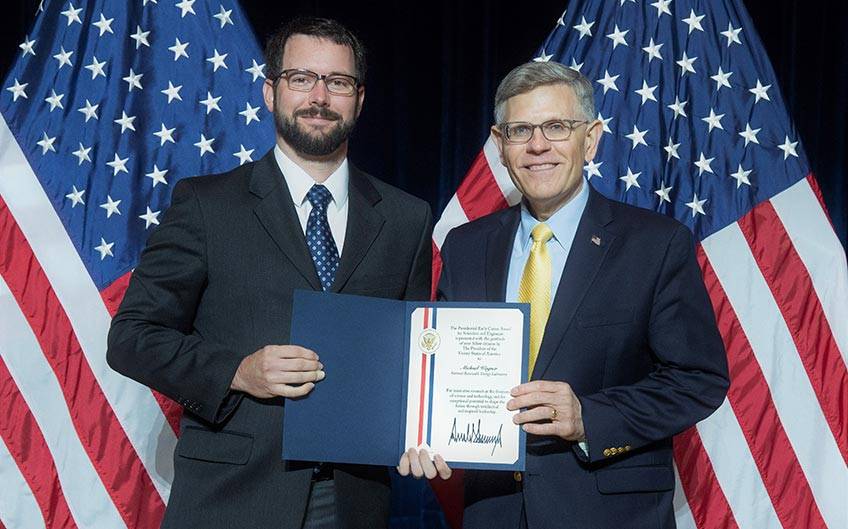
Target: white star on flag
(647, 92)
(653, 50)
(662, 192)
(72, 14)
(133, 80)
(104, 25)
(788, 148)
(140, 37)
(157, 175)
(205, 145)
(243, 155)
(662, 7)
(750, 134)
(732, 34)
(150, 218)
(126, 122)
(593, 168)
(617, 37)
(542, 57)
(249, 113)
(685, 64)
(75, 196)
(574, 66)
(165, 135)
(608, 82)
(89, 110)
(256, 70)
(111, 206)
(224, 16)
(186, 6)
(64, 57)
(173, 92)
(671, 149)
(713, 120)
(105, 248)
(741, 176)
(27, 45)
(211, 103)
(118, 164)
(18, 90)
(637, 137)
(46, 143)
(179, 49)
(721, 79)
(605, 123)
(694, 21)
(678, 107)
(696, 205)
(760, 92)
(630, 179)
(703, 164)
(96, 67)
(54, 100)
(585, 28)
(217, 61)
(82, 154)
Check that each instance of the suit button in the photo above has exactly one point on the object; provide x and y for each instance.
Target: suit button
(607, 452)
(627, 448)
(517, 476)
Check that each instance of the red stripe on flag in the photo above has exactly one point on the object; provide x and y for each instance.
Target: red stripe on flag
(112, 296)
(700, 485)
(814, 185)
(104, 440)
(479, 193)
(754, 408)
(790, 284)
(437, 271)
(25, 441)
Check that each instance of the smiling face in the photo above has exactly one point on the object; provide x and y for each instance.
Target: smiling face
(548, 173)
(317, 123)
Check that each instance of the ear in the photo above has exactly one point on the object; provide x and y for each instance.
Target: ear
(497, 135)
(268, 95)
(360, 95)
(594, 131)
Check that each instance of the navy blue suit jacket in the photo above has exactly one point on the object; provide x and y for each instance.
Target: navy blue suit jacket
(632, 330)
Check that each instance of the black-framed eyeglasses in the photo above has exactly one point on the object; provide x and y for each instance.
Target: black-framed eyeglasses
(518, 132)
(301, 80)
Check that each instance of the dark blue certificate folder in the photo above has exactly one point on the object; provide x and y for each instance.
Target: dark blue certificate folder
(357, 413)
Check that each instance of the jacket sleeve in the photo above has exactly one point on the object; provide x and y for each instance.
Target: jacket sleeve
(152, 338)
(690, 377)
(419, 283)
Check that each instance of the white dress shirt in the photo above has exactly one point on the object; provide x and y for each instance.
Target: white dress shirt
(299, 183)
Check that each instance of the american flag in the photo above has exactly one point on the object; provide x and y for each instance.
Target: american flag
(695, 128)
(108, 105)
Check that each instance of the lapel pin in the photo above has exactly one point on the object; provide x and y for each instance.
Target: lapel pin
(596, 240)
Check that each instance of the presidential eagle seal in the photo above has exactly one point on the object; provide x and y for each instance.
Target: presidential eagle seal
(429, 341)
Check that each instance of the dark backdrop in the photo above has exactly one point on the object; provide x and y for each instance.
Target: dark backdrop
(434, 67)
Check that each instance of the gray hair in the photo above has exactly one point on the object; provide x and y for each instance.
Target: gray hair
(532, 75)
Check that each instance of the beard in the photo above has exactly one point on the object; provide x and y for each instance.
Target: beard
(315, 143)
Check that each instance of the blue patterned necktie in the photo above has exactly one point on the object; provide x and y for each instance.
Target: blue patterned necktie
(325, 255)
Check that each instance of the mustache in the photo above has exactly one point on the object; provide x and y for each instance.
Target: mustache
(313, 112)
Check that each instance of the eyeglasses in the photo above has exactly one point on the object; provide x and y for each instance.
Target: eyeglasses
(305, 80)
(518, 132)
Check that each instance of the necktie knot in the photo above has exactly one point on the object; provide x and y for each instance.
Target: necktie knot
(319, 196)
(541, 233)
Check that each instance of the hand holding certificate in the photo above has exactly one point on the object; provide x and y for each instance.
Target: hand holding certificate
(438, 377)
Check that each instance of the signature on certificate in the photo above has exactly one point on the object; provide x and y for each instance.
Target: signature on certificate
(474, 435)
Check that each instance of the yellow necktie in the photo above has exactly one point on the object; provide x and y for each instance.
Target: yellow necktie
(535, 288)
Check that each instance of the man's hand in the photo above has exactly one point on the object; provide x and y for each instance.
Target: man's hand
(552, 402)
(418, 464)
(274, 371)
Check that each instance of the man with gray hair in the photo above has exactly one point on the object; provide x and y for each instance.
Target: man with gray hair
(624, 349)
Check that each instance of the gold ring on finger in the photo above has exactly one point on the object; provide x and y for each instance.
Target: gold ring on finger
(553, 414)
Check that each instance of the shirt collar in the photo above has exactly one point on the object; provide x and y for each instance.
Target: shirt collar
(563, 221)
(299, 181)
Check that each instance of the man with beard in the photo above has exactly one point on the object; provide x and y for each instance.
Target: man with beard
(206, 317)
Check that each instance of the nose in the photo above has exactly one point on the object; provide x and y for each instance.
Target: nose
(538, 143)
(319, 94)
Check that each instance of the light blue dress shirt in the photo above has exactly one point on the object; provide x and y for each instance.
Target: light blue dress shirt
(564, 225)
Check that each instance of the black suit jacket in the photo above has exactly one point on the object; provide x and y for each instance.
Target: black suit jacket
(632, 330)
(215, 284)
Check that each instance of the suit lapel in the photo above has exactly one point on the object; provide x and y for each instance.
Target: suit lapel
(498, 251)
(277, 215)
(364, 223)
(591, 244)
